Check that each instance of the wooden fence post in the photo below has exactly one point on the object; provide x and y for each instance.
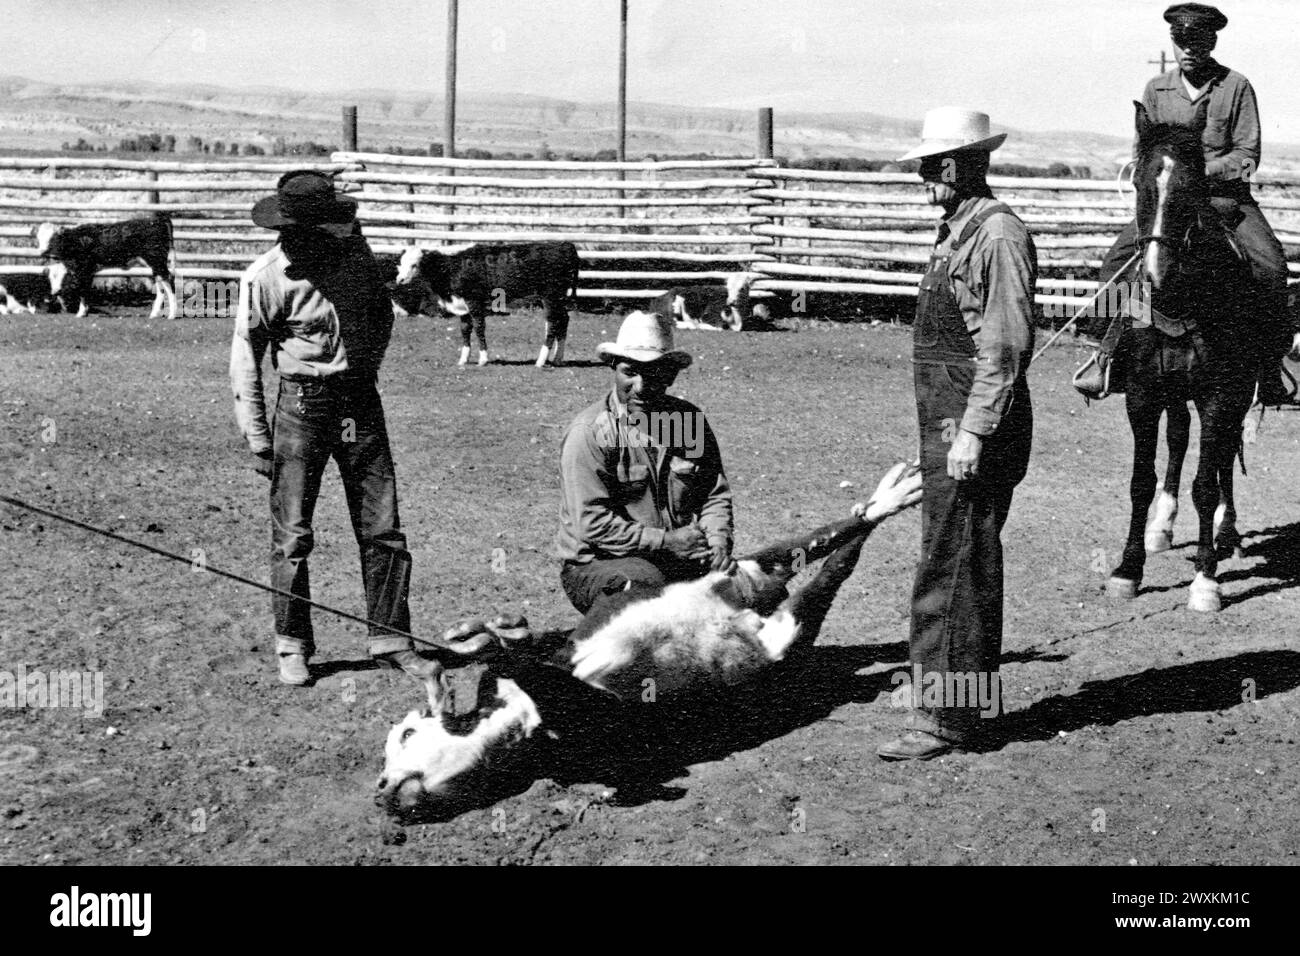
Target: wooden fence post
(350, 129)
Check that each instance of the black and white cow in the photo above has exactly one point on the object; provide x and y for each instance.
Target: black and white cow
(680, 644)
(469, 280)
(24, 292)
(81, 251)
(712, 307)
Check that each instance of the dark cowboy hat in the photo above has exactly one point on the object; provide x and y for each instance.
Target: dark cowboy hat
(306, 197)
(1195, 18)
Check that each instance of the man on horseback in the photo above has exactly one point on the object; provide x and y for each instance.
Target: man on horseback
(1231, 141)
(971, 340)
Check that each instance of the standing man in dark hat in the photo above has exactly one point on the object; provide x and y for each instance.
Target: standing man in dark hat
(1232, 151)
(971, 346)
(317, 301)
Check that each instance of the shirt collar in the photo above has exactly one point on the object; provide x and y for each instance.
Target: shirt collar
(1174, 80)
(967, 208)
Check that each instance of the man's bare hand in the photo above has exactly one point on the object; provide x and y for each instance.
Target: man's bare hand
(262, 461)
(964, 455)
(898, 490)
(720, 556)
(688, 543)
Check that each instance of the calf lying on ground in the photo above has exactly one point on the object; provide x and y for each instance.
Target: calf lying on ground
(470, 280)
(676, 644)
(81, 251)
(24, 291)
(712, 308)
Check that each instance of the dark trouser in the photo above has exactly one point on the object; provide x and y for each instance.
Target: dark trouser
(316, 419)
(585, 583)
(956, 631)
(1261, 249)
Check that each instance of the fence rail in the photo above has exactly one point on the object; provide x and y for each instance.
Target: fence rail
(638, 225)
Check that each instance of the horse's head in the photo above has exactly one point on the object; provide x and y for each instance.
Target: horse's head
(1169, 178)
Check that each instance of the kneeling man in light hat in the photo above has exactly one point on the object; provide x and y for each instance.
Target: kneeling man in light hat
(971, 345)
(644, 498)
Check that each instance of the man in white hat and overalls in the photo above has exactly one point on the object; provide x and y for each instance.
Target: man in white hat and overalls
(644, 499)
(972, 339)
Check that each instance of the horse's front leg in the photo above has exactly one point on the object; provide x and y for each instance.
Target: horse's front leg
(1144, 421)
(1178, 430)
(1227, 539)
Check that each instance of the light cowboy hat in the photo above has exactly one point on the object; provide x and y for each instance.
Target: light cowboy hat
(643, 337)
(948, 129)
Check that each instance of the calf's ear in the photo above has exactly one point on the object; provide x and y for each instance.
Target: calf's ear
(435, 686)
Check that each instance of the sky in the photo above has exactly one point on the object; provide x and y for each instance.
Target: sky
(1030, 64)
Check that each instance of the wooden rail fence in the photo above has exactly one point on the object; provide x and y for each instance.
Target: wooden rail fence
(640, 226)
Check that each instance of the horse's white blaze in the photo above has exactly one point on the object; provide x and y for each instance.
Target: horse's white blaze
(1156, 257)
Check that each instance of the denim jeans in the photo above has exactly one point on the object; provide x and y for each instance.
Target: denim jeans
(316, 419)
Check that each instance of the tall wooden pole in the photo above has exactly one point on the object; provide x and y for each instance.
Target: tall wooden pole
(622, 82)
(449, 121)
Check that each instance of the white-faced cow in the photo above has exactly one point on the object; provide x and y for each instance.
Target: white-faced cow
(468, 281)
(23, 292)
(81, 251)
(713, 308)
(674, 647)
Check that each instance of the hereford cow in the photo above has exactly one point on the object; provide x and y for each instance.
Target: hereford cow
(712, 308)
(24, 291)
(81, 251)
(469, 280)
(670, 646)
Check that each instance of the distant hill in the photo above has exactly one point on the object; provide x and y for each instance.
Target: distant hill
(41, 116)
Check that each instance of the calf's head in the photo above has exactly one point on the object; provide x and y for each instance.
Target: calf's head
(438, 763)
(44, 234)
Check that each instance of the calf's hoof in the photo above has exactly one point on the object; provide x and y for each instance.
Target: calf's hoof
(1204, 596)
(482, 358)
(1122, 588)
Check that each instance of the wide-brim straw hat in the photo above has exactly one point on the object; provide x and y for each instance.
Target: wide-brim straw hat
(306, 197)
(644, 337)
(949, 129)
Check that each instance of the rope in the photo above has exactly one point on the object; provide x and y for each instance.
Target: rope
(18, 503)
(1093, 298)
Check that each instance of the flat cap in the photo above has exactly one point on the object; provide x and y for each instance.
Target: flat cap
(1198, 17)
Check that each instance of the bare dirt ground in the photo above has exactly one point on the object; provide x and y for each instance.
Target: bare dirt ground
(1138, 732)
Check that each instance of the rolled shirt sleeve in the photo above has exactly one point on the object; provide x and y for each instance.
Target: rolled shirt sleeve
(247, 348)
(1004, 271)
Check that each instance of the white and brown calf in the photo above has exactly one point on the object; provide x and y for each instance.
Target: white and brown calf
(78, 252)
(680, 643)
